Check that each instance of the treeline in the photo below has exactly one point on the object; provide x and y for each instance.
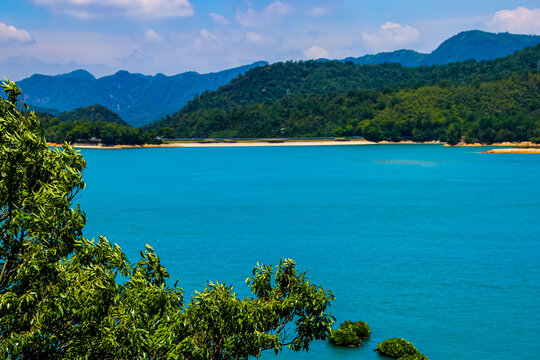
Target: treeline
(484, 101)
(93, 123)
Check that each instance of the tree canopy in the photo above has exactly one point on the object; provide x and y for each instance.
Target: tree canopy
(63, 296)
(94, 122)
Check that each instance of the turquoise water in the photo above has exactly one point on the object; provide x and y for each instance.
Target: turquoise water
(437, 245)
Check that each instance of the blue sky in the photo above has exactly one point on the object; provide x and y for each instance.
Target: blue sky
(174, 36)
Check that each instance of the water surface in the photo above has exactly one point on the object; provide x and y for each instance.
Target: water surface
(437, 245)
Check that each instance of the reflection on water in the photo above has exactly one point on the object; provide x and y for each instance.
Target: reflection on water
(409, 162)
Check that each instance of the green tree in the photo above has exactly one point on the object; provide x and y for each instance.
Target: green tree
(453, 134)
(80, 131)
(59, 294)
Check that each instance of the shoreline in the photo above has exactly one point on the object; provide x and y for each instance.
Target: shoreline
(514, 151)
(246, 143)
(225, 143)
(508, 147)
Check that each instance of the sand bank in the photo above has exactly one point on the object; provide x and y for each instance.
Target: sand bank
(514, 151)
(514, 144)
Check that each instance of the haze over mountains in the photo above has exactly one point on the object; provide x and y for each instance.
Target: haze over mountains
(141, 99)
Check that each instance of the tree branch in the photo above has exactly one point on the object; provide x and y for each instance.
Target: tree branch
(3, 271)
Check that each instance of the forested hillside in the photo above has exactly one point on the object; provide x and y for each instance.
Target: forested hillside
(95, 123)
(92, 113)
(486, 101)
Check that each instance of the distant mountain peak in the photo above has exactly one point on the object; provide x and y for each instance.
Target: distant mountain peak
(80, 74)
(260, 63)
(480, 45)
(471, 44)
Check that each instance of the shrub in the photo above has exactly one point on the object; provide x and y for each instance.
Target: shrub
(396, 348)
(360, 328)
(416, 356)
(344, 337)
(350, 333)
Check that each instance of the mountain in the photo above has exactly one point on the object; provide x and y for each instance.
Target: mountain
(474, 44)
(479, 45)
(141, 99)
(404, 57)
(486, 101)
(137, 98)
(273, 82)
(93, 124)
(92, 113)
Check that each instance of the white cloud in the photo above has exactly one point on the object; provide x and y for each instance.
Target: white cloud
(219, 19)
(9, 33)
(260, 40)
(152, 36)
(270, 15)
(520, 20)
(316, 52)
(254, 37)
(79, 47)
(208, 35)
(317, 11)
(390, 35)
(277, 7)
(131, 8)
(207, 40)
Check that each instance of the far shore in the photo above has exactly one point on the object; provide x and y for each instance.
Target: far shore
(509, 147)
(241, 143)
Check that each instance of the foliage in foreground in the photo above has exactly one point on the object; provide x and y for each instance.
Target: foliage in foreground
(349, 333)
(398, 348)
(60, 297)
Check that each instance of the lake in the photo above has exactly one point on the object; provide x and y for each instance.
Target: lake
(440, 246)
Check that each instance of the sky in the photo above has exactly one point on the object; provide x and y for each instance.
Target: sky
(175, 36)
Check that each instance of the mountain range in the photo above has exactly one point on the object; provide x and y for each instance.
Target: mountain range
(474, 44)
(138, 99)
(141, 99)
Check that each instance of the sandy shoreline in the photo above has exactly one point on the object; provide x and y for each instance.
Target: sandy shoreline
(202, 144)
(508, 147)
(269, 143)
(242, 143)
(514, 151)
